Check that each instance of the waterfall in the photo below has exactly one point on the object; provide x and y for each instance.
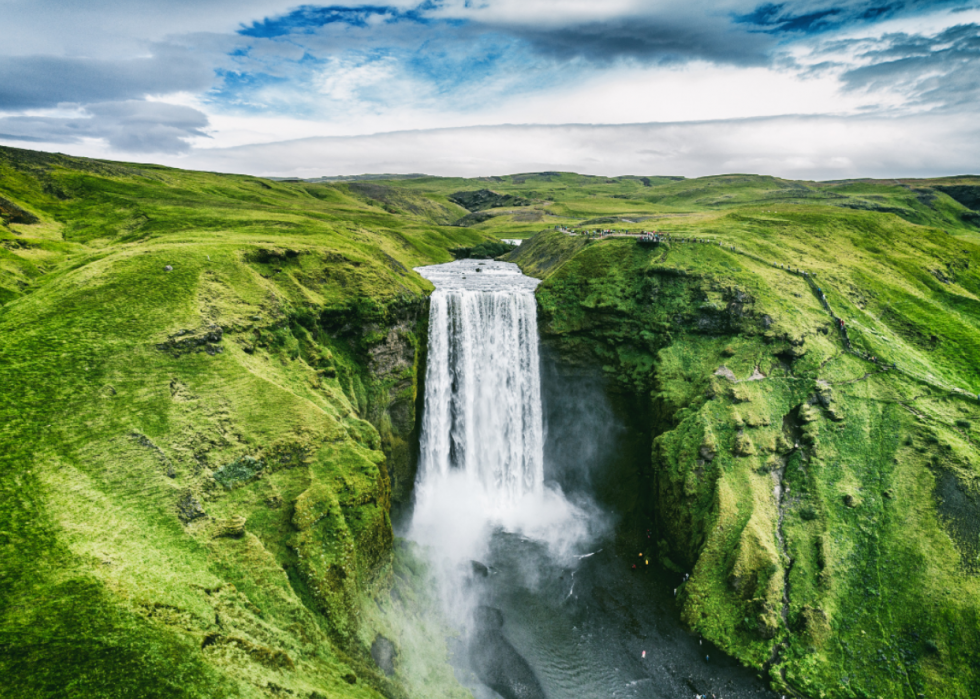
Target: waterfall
(483, 391)
(481, 465)
(481, 500)
(482, 414)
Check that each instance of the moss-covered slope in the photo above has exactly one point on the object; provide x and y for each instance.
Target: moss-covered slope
(824, 500)
(207, 396)
(208, 387)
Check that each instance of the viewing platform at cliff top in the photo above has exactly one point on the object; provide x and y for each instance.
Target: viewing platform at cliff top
(641, 237)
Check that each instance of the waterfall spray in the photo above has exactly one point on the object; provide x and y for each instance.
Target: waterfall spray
(481, 466)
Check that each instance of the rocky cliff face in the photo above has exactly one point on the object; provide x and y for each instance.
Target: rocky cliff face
(794, 473)
(384, 348)
(204, 418)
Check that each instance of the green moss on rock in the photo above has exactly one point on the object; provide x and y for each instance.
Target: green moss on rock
(202, 385)
(796, 481)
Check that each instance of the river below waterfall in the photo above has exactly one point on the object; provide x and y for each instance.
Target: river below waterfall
(524, 558)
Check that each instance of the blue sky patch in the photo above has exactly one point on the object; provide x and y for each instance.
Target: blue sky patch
(309, 18)
(776, 19)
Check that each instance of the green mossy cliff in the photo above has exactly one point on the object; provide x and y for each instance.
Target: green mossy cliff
(208, 396)
(824, 503)
(207, 401)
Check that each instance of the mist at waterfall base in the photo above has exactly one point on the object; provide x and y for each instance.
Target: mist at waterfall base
(523, 557)
(481, 469)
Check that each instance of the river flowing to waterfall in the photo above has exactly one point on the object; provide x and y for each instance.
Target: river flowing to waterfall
(526, 563)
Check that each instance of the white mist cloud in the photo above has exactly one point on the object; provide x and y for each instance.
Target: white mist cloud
(261, 74)
(814, 147)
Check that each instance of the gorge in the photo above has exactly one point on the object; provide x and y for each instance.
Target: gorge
(249, 451)
(516, 560)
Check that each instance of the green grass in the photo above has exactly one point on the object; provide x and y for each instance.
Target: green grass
(188, 512)
(117, 409)
(881, 587)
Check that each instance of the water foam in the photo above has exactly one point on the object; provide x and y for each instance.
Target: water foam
(481, 466)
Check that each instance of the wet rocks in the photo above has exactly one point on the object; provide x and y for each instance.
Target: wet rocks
(488, 617)
(497, 663)
(384, 653)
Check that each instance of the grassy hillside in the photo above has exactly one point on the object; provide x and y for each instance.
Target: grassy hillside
(825, 500)
(208, 395)
(638, 203)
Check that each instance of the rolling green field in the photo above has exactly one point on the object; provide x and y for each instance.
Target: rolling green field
(824, 497)
(198, 463)
(208, 396)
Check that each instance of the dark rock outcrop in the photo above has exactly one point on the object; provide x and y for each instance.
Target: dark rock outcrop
(480, 569)
(189, 508)
(11, 213)
(384, 653)
(201, 340)
(497, 663)
(483, 199)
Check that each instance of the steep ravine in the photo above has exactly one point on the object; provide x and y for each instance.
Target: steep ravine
(782, 491)
(210, 388)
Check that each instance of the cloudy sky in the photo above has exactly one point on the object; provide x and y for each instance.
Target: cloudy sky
(814, 89)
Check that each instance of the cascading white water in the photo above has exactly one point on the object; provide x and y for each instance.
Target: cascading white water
(481, 466)
(543, 610)
(483, 386)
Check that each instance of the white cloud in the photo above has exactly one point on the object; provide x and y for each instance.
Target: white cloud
(344, 79)
(693, 92)
(565, 12)
(793, 147)
(133, 126)
(110, 28)
(683, 65)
